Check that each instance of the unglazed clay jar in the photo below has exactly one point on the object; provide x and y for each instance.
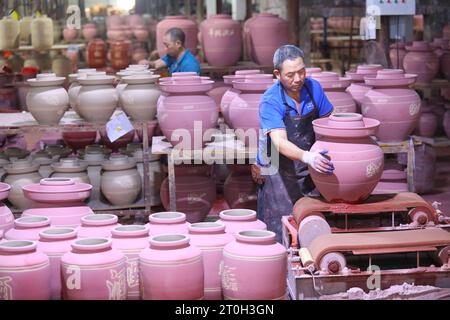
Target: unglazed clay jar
(357, 159)
(253, 256)
(97, 98)
(97, 225)
(54, 242)
(210, 238)
(21, 265)
(121, 183)
(27, 228)
(188, 26)
(164, 267)
(140, 96)
(421, 60)
(45, 160)
(58, 150)
(75, 87)
(18, 174)
(167, 222)
(9, 33)
(61, 66)
(47, 100)
(71, 168)
(25, 29)
(221, 39)
(236, 220)
(42, 33)
(94, 160)
(6, 216)
(131, 240)
(93, 270)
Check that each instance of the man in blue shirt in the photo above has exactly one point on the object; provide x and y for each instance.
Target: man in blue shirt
(286, 112)
(177, 58)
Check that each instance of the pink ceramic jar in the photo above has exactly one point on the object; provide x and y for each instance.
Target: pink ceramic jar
(171, 269)
(253, 256)
(70, 34)
(92, 270)
(428, 122)
(358, 91)
(167, 222)
(6, 216)
(390, 78)
(445, 61)
(70, 168)
(221, 39)
(195, 196)
(398, 111)
(357, 76)
(131, 240)
(244, 107)
(27, 228)
(357, 159)
(97, 225)
(141, 33)
(446, 123)
(236, 220)
(267, 32)
(188, 26)
(210, 238)
(239, 191)
(334, 87)
(421, 60)
(24, 271)
(187, 112)
(55, 242)
(89, 31)
(397, 54)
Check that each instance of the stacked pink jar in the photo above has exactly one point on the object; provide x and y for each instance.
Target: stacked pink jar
(131, 240)
(171, 269)
(334, 87)
(210, 238)
(97, 225)
(55, 242)
(27, 228)
(428, 122)
(92, 270)
(421, 60)
(253, 256)
(236, 220)
(6, 216)
(167, 222)
(357, 76)
(20, 266)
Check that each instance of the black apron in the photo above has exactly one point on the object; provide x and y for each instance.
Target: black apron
(280, 191)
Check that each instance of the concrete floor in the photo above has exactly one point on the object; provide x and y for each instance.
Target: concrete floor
(441, 190)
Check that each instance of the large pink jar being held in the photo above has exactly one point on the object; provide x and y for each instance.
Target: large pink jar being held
(167, 222)
(55, 242)
(357, 159)
(267, 32)
(6, 216)
(236, 220)
(253, 256)
(24, 271)
(187, 112)
(210, 238)
(188, 26)
(92, 270)
(97, 225)
(131, 240)
(221, 40)
(171, 269)
(421, 60)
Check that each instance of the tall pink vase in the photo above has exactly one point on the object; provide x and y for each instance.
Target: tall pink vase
(188, 26)
(167, 222)
(24, 271)
(171, 269)
(221, 40)
(27, 228)
(421, 60)
(55, 242)
(210, 238)
(131, 240)
(6, 216)
(97, 225)
(357, 159)
(236, 220)
(92, 270)
(253, 256)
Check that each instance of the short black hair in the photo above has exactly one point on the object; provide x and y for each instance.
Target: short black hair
(286, 52)
(176, 34)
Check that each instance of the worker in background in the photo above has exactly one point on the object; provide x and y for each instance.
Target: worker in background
(286, 112)
(177, 58)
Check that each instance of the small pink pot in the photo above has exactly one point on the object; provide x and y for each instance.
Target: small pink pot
(97, 225)
(236, 220)
(167, 222)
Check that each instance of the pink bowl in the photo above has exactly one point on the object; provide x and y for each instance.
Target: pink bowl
(57, 190)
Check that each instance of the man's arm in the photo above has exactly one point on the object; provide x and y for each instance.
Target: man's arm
(156, 64)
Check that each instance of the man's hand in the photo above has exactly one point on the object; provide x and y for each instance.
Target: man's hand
(256, 174)
(318, 161)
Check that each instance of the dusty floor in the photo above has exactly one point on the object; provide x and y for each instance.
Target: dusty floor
(441, 190)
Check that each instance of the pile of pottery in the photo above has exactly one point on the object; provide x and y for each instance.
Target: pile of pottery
(188, 26)
(125, 27)
(421, 60)
(393, 103)
(335, 90)
(221, 39)
(185, 112)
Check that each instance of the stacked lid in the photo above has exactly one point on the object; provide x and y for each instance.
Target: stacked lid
(331, 80)
(362, 71)
(389, 78)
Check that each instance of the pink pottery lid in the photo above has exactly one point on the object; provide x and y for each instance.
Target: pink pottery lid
(4, 190)
(362, 70)
(256, 236)
(91, 244)
(206, 227)
(239, 74)
(238, 215)
(141, 78)
(331, 80)
(17, 246)
(56, 234)
(187, 84)
(32, 222)
(346, 125)
(167, 217)
(130, 231)
(169, 240)
(419, 46)
(390, 78)
(254, 82)
(99, 219)
(57, 190)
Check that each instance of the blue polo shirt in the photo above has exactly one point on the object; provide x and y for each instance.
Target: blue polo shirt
(187, 63)
(272, 111)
